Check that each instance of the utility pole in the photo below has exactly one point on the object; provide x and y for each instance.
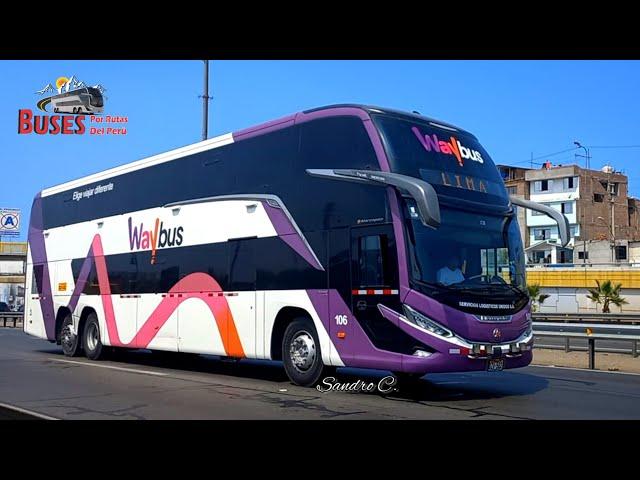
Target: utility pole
(587, 156)
(205, 102)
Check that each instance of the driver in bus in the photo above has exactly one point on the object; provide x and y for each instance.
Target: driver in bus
(451, 272)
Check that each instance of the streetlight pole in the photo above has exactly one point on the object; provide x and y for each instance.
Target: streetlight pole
(587, 156)
(587, 164)
(205, 102)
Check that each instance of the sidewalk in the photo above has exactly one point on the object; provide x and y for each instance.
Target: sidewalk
(614, 362)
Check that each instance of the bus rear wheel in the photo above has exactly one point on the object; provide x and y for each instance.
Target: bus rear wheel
(301, 353)
(69, 339)
(91, 341)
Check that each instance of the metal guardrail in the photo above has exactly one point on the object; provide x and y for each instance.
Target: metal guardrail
(11, 319)
(607, 318)
(591, 332)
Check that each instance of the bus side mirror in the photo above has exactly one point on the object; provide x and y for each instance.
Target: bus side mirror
(561, 220)
(422, 192)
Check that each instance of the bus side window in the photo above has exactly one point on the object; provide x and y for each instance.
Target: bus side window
(372, 253)
(36, 280)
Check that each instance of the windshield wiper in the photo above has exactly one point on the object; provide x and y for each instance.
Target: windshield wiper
(515, 288)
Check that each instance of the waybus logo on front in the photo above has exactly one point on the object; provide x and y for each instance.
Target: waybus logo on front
(67, 108)
(156, 237)
(448, 147)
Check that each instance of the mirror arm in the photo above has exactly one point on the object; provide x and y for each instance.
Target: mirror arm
(560, 218)
(422, 192)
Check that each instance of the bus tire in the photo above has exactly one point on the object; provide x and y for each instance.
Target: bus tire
(91, 341)
(56, 110)
(301, 353)
(69, 339)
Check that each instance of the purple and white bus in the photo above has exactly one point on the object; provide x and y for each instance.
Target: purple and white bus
(345, 235)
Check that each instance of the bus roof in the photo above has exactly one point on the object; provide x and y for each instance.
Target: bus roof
(228, 138)
(392, 112)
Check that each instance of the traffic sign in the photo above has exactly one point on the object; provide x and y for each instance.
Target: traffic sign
(9, 222)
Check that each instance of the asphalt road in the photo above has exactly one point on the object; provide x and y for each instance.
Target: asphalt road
(34, 375)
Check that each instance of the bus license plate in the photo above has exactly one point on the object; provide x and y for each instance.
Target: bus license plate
(495, 365)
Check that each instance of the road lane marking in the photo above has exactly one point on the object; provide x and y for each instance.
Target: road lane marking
(122, 369)
(41, 416)
(584, 369)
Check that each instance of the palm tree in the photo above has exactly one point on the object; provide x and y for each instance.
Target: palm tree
(607, 293)
(537, 298)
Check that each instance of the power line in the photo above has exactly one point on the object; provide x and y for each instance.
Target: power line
(531, 160)
(614, 146)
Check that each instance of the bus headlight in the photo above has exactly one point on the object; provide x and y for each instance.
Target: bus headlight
(426, 323)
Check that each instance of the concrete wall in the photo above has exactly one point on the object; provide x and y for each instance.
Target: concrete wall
(574, 300)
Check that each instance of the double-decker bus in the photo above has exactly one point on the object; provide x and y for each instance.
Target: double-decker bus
(82, 100)
(345, 235)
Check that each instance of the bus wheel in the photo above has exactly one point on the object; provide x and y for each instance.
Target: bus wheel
(56, 110)
(301, 353)
(69, 338)
(91, 338)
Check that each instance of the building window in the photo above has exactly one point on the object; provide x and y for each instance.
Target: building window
(583, 255)
(573, 231)
(621, 252)
(598, 197)
(541, 233)
(569, 183)
(613, 189)
(541, 186)
(566, 207)
(512, 190)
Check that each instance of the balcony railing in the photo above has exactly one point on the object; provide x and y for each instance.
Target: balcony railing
(13, 248)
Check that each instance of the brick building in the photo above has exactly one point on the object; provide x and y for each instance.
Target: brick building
(596, 203)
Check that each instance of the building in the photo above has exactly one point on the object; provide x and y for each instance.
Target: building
(516, 185)
(602, 216)
(13, 258)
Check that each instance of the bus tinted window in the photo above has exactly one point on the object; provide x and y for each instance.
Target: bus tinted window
(337, 142)
(371, 262)
(454, 162)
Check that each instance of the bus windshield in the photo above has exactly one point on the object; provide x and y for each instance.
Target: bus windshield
(451, 160)
(96, 97)
(470, 251)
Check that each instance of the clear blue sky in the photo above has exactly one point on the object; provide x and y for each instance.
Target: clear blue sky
(513, 107)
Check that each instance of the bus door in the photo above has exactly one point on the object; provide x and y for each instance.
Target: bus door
(374, 280)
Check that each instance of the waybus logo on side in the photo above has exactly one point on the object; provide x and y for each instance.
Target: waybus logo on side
(450, 147)
(157, 237)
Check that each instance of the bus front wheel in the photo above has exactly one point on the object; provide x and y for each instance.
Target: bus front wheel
(91, 341)
(301, 353)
